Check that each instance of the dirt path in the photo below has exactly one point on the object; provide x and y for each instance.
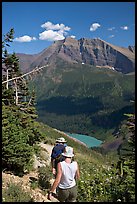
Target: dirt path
(37, 194)
(48, 148)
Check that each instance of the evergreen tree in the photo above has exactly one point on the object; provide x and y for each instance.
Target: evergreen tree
(19, 128)
(7, 91)
(126, 163)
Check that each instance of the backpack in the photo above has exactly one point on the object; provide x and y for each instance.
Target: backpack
(57, 150)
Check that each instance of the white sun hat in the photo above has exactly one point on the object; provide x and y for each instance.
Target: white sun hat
(61, 139)
(68, 152)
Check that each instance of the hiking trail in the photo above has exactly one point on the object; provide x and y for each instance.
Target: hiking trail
(37, 193)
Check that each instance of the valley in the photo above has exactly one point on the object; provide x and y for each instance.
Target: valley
(81, 92)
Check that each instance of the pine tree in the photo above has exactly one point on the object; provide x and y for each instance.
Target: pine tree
(126, 163)
(19, 128)
(7, 91)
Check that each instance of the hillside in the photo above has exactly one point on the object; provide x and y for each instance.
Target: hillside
(25, 181)
(99, 174)
(82, 98)
(29, 180)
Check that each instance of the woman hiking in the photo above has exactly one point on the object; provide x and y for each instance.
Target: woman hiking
(67, 174)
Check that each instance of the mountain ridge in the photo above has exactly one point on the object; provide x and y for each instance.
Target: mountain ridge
(95, 52)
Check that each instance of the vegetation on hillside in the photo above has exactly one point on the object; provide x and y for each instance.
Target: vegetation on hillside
(84, 98)
(115, 181)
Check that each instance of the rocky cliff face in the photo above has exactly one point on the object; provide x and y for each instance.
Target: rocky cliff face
(86, 51)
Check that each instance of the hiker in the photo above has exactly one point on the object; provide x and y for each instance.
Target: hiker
(67, 174)
(56, 155)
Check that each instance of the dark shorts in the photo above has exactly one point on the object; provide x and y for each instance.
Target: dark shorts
(67, 195)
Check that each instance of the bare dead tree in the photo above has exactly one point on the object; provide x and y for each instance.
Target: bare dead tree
(28, 73)
(14, 79)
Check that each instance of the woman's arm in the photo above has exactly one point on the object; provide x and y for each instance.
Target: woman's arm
(57, 180)
(53, 166)
(77, 176)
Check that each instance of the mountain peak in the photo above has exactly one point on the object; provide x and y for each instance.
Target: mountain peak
(70, 39)
(95, 52)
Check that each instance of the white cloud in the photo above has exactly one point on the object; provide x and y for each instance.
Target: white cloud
(111, 36)
(51, 35)
(53, 32)
(24, 38)
(94, 26)
(112, 28)
(124, 27)
(50, 26)
(73, 36)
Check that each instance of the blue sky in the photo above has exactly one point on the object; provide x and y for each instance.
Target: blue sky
(38, 24)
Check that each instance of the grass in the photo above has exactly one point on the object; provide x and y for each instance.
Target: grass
(15, 193)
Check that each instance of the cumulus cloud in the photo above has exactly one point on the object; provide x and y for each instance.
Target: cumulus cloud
(94, 26)
(50, 26)
(54, 32)
(112, 28)
(24, 38)
(124, 27)
(51, 35)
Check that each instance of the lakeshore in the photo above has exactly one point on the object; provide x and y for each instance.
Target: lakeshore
(89, 141)
(85, 140)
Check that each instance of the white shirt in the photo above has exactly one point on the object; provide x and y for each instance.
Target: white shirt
(68, 174)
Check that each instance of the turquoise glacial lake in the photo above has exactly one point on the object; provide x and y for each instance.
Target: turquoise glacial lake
(88, 140)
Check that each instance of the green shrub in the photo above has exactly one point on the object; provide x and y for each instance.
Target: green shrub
(44, 176)
(33, 182)
(15, 193)
(105, 184)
